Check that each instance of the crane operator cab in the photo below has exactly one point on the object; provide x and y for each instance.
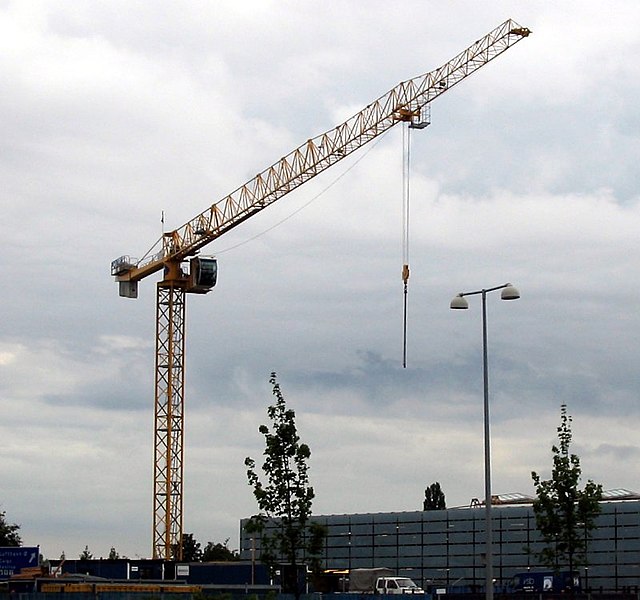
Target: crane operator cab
(203, 274)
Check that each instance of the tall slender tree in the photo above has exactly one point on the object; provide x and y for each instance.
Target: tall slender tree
(287, 533)
(565, 515)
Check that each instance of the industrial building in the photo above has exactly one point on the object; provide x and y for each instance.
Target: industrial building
(445, 549)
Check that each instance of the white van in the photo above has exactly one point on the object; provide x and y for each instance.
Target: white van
(397, 585)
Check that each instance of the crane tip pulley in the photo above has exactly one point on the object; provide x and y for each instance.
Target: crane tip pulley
(521, 31)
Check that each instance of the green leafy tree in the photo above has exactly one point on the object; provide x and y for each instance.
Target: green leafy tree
(9, 535)
(565, 515)
(191, 550)
(287, 533)
(85, 554)
(219, 552)
(434, 498)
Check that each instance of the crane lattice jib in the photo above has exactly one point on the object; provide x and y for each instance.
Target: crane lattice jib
(403, 103)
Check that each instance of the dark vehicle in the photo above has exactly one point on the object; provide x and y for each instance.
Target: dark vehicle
(544, 581)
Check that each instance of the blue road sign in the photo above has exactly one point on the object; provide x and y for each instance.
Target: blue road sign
(13, 559)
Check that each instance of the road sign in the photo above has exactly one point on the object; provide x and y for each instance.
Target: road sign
(15, 558)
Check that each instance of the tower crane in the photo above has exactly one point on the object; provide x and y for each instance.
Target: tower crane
(177, 253)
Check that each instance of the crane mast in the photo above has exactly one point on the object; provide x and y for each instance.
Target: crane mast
(407, 102)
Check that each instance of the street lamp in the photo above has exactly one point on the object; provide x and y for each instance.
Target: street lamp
(509, 292)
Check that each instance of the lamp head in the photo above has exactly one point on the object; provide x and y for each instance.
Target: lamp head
(459, 302)
(509, 292)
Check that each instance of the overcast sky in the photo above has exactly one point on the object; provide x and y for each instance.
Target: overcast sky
(113, 112)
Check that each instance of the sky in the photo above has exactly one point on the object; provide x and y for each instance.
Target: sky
(115, 113)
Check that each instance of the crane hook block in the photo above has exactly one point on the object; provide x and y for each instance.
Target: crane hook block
(405, 273)
(203, 274)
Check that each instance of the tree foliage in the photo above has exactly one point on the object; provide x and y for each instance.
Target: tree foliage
(86, 554)
(434, 498)
(565, 515)
(283, 523)
(191, 549)
(219, 552)
(9, 535)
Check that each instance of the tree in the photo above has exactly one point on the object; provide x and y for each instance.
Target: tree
(434, 498)
(85, 554)
(9, 532)
(565, 515)
(191, 551)
(113, 554)
(219, 552)
(284, 523)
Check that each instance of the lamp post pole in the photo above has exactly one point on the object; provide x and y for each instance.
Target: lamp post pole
(487, 458)
(509, 292)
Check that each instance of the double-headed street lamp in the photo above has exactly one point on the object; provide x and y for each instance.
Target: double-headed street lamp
(509, 292)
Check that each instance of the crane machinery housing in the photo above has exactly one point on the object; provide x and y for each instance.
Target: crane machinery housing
(185, 271)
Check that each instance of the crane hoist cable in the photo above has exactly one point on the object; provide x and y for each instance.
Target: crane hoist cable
(424, 121)
(406, 178)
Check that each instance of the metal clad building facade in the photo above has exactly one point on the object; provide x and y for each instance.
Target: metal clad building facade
(445, 548)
